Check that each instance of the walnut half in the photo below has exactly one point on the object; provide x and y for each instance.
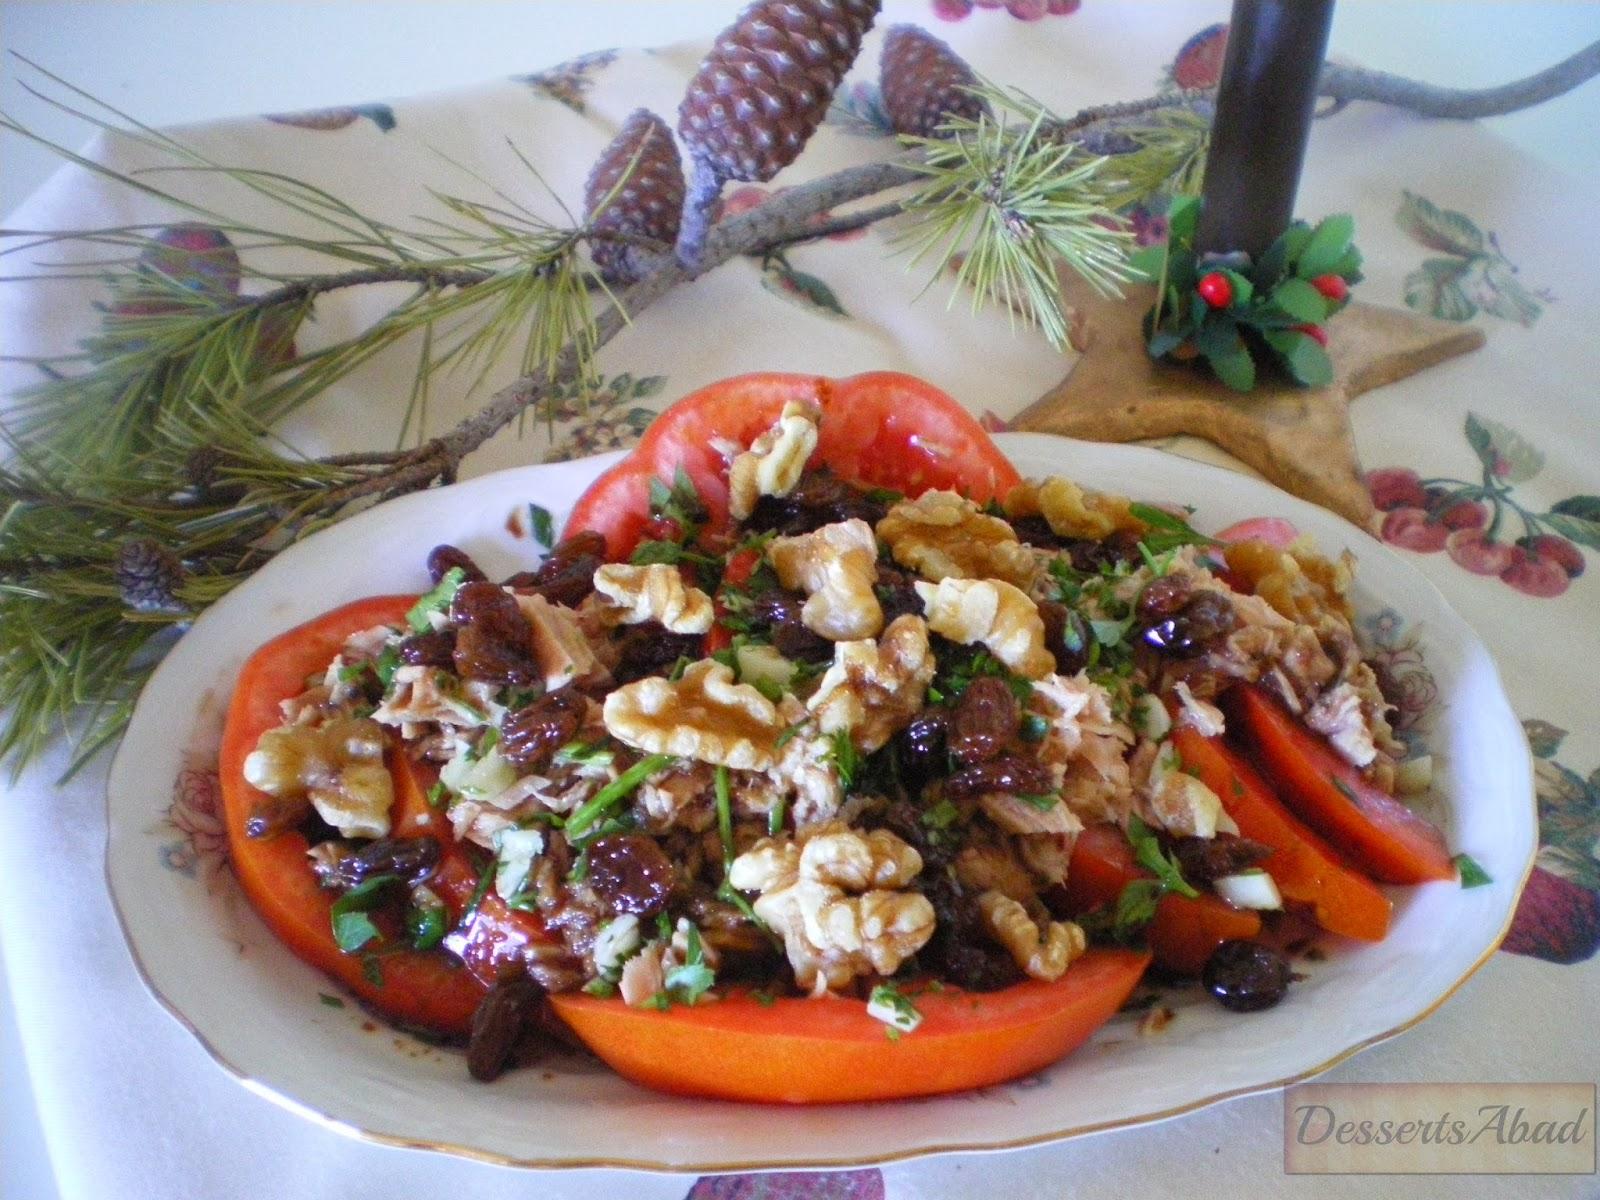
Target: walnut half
(995, 613)
(943, 534)
(655, 592)
(829, 935)
(338, 767)
(836, 566)
(1043, 954)
(775, 460)
(704, 716)
(873, 689)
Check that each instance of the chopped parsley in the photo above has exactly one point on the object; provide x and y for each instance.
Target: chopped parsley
(425, 924)
(618, 790)
(1034, 728)
(1166, 532)
(956, 676)
(541, 525)
(888, 1004)
(436, 600)
(724, 813)
(842, 754)
(353, 928)
(585, 754)
(1043, 801)
(1149, 854)
(687, 983)
(680, 502)
(1472, 875)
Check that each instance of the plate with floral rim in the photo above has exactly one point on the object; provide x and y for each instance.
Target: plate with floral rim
(290, 1034)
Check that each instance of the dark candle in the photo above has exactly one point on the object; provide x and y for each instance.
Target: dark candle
(1264, 108)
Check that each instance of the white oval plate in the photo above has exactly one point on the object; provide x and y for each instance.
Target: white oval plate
(284, 1030)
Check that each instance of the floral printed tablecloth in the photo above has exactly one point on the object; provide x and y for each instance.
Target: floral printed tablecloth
(1484, 469)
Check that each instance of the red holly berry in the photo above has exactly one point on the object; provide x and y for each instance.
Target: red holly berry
(1215, 289)
(1332, 286)
(1315, 332)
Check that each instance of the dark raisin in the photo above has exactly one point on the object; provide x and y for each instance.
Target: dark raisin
(984, 720)
(961, 950)
(529, 736)
(1092, 556)
(444, 558)
(648, 649)
(493, 639)
(776, 607)
(1205, 859)
(631, 874)
(1205, 619)
(413, 859)
(1246, 976)
(897, 594)
(920, 749)
(794, 640)
(820, 498)
(1008, 773)
(1066, 636)
(1164, 596)
(499, 1024)
(436, 648)
(1036, 531)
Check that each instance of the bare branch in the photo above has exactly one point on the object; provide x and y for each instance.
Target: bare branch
(1460, 104)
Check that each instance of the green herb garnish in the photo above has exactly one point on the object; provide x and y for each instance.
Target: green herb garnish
(724, 813)
(352, 927)
(615, 792)
(1472, 875)
(1148, 853)
(541, 525)
(437, 599)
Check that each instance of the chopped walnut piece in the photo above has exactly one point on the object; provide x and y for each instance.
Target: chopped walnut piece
(1072, 511)
(655, 592)
(942, 535)
(831, 936)
(338, 766)
(995, 613)
(1298, 582)
(873, 689)
(559, 647)
(836, 566)
(705, 715)
(1044, 955)
(773, 464)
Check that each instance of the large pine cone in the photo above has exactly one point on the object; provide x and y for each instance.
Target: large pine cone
(922, 81)
(648, 205)
(767, 82)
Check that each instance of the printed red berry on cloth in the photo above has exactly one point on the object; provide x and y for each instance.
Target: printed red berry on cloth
(193, 256)
(1199, 61)
(1556, 920)
(636, 191)
(1215, 289)
(760, 93)
(923, 82)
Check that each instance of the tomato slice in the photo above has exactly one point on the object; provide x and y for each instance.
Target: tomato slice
(882, 429)
(817, 1051)
(426, 991)
(1305, 868)
(1380, 835)
(1184, 931)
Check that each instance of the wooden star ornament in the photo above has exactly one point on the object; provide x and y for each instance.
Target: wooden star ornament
(1297, 437)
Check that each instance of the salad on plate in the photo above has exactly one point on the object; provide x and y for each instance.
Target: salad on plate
(825, 758)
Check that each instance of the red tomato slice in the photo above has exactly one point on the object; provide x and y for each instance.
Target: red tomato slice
(882, 429)
(1382, 836)
(819, 1051)
(428, 990)
(1305, 868)
(1184, 931)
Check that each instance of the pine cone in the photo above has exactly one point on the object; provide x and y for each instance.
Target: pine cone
(761, 92)
(648, 205)
(149, 576)
(922, 81)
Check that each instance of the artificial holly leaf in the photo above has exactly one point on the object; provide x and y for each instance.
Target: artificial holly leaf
(1329, 240)
(1218, 335)
(1242, 290)
(1576, 529)
(1305, 360)
(1508, 299)
(1544, 739)
(1349, 265)
(1435, 289)
(1182, 214)
(1505, 452)
(1438, 228)
(1271, 263)
(1147, 262)
(1300, 301)
(1237, 370)
(1164, 342)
